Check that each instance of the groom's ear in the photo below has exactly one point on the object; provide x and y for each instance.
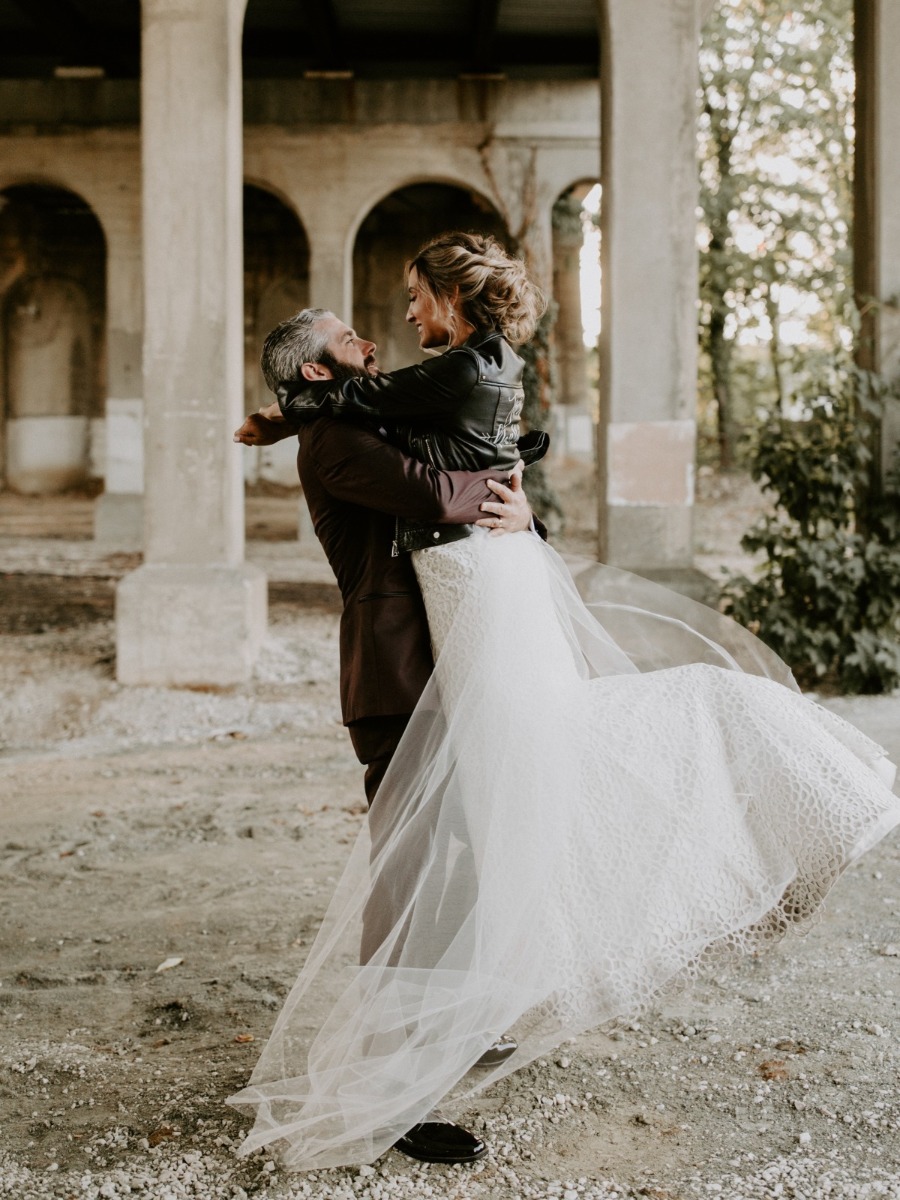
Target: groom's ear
(313, 371)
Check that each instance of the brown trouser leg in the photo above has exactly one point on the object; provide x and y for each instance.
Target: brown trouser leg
(375, 740)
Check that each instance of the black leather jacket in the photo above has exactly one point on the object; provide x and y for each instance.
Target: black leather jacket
(458, 412)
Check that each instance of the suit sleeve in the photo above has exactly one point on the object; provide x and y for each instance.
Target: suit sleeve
(421, 392)
(358, 467)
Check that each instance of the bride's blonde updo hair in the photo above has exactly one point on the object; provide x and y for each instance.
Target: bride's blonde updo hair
(495, 289)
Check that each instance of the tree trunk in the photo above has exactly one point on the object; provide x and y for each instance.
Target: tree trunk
(720, 362)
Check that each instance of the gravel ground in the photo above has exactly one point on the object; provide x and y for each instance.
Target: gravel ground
(166, 857)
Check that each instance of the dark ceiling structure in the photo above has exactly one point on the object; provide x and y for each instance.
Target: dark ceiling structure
(362, 39)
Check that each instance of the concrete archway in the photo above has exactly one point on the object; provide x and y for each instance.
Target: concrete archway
(575, 366)
(52, 322)
(391, 233)
(276, 285)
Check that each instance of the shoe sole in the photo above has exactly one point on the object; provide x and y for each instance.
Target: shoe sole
(434, 1158)
(493, 1058)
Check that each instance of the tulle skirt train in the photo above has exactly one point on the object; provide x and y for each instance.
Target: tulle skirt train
(587, 804)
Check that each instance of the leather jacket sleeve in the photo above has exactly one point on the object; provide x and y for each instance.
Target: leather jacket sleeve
(424, 392)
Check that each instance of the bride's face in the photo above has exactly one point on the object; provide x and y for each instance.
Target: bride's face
(430, 317)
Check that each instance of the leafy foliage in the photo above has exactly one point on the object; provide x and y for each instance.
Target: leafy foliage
(827, 597)
(775, 148)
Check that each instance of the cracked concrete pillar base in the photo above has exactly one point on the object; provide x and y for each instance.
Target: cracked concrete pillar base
(183, 626)
(119, 521)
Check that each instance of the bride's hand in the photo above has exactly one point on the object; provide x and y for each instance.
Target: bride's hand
(512, 512)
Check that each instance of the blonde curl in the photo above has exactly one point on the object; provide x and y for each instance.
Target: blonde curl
(495, 290)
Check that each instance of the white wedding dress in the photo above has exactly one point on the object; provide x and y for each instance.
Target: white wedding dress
(586, 806)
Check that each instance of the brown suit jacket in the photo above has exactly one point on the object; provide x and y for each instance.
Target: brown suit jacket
(355, 484)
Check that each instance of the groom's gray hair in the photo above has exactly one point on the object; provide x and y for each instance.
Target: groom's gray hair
(291, 344)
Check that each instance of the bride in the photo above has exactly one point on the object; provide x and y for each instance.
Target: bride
(589, 802)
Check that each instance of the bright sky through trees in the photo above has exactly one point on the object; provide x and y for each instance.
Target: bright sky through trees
(590, 269)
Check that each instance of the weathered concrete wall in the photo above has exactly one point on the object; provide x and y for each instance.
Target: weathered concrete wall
(276, 285)
(332, 150)
(519, 150)
(329, 151)
(391, 233)
(52, 316)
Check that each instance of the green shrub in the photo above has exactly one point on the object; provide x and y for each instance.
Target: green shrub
(827, 596)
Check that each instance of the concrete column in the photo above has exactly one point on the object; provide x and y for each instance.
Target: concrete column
(537, 244)
(877, 185)
(195, 613)
(648, 343)
(119, 511)
(331, 270)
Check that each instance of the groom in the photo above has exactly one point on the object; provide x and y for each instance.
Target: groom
(356, 484)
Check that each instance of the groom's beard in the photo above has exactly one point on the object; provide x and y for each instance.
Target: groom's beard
(342, 371)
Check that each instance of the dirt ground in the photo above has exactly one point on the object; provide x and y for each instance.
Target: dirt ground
(166, 857)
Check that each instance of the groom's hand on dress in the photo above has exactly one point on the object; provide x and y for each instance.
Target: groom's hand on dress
(512, 512)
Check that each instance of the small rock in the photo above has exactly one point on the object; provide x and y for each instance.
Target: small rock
(804, 1138)
(168, 963)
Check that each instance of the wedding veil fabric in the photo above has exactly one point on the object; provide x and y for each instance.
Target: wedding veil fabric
(588, 803)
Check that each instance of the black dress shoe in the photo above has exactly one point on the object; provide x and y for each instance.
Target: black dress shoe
(441, 1142)
(499, 1052)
